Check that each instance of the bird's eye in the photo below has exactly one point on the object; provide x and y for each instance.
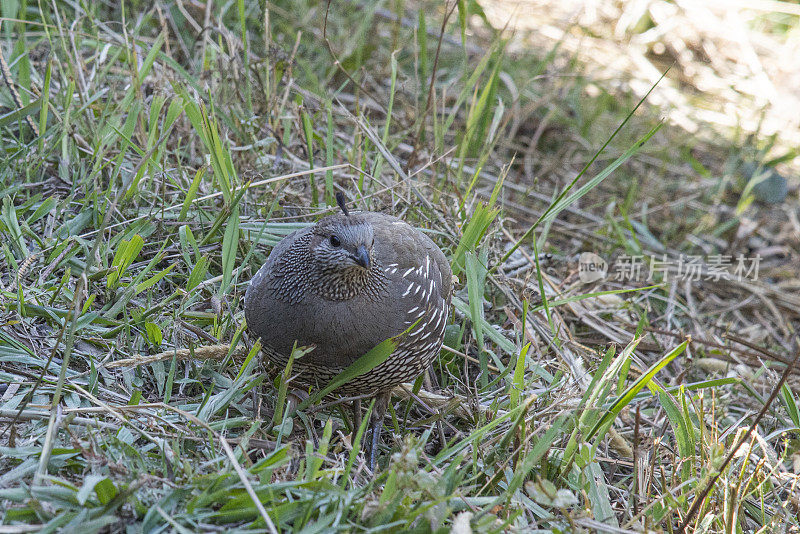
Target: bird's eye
(335, 241)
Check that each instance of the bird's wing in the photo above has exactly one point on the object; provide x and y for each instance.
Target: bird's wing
(400, 246)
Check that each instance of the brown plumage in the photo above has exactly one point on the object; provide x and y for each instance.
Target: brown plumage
(343, 286)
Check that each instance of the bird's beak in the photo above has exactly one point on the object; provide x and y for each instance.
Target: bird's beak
(362, 256)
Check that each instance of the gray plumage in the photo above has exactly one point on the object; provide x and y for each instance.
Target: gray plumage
(344, 285)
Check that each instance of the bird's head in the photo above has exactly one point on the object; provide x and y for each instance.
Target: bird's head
(342, 257)
(342, 244)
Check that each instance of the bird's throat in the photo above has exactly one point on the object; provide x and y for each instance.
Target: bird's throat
(349, 283)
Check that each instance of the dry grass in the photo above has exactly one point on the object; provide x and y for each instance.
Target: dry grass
(734, 67)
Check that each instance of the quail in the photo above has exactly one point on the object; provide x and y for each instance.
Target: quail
(344, 285)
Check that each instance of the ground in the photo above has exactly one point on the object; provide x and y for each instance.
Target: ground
(624, 326)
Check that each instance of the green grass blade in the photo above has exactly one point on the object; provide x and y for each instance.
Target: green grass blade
(472, 234)
(230, 247)
(476, 277)
(48, 76)
(634, 388)
(18, 115)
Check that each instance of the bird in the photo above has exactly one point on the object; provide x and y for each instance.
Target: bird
(343, 286)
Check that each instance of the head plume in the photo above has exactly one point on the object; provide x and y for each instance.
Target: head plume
(340, 200)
